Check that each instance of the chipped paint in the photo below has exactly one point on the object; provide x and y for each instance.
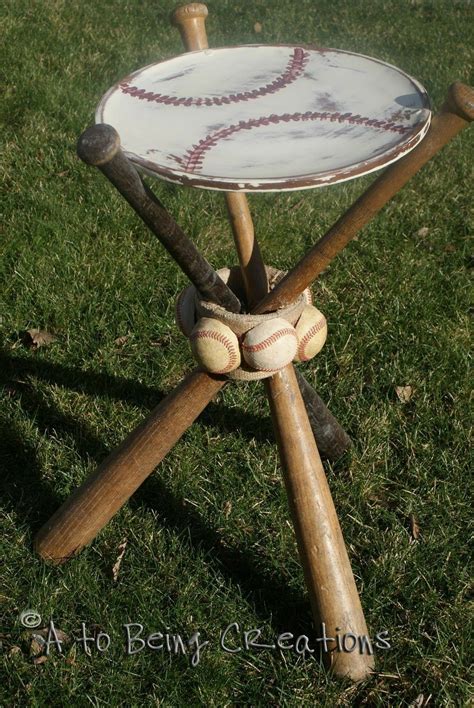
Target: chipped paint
(249, 118)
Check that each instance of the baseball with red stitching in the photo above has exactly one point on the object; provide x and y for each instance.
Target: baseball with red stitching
(311, 330)
(270, 345)
(215, 347)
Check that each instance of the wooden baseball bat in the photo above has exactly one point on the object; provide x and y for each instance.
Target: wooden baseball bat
(106, 490)
(326, 565)
(190, 20)
(328, 574)
(455, 115)
(99, 145)
(332, 439)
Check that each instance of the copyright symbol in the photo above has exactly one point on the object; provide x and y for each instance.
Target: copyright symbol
(30, 619)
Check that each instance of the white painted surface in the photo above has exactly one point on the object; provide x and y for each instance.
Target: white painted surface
(228, 145)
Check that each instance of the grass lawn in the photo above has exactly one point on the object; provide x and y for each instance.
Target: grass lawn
(208, 537)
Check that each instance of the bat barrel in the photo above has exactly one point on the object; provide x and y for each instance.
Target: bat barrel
(329, 578)
(105, 491)
(461, 100)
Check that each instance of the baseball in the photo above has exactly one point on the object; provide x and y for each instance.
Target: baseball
(270, 345)
(185, 313)
(215, 346)
(312, 330)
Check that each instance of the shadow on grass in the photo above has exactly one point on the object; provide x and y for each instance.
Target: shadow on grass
(266, 589)
(34, 499)
(226, 419)
(21, 486)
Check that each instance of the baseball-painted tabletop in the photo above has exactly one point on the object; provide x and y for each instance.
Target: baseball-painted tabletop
(266, 118)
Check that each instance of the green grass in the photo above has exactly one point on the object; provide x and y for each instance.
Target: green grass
(209, 540)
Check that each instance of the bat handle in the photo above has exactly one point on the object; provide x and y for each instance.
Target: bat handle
(190, 20)
(100, 146)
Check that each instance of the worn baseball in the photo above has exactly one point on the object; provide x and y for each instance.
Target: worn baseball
(270, 345)
(215, 346)
(185, 310)
(311, 330)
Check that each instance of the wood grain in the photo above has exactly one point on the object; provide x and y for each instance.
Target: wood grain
(328, 574)
(190, 20)
(248, 251)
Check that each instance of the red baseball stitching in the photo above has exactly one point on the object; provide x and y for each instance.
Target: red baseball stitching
(310, 333)
(268, 342)
(194, 157)
(293, 70)
(219, 337)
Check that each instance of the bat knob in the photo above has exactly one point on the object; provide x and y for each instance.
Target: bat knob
(98, 144)
(190, 20)
(461, 100)
(189, 12)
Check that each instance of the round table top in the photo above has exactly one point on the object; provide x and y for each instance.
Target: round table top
(266, 118)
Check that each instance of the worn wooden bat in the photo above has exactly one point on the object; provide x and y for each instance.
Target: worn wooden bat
(99, 145)
(329, 579)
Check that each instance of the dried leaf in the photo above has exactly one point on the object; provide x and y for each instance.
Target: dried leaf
(40, 659)
(423, 232)
(419, 701)
(44, 631)
(227, 508)
(120, 341)
(414, 528)
(450, 248)
(38, 640)
(36, 646)
(164, 341)
(257, 28)
(14, 650)
(404, 393)
(38, 338)
(118, 562)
